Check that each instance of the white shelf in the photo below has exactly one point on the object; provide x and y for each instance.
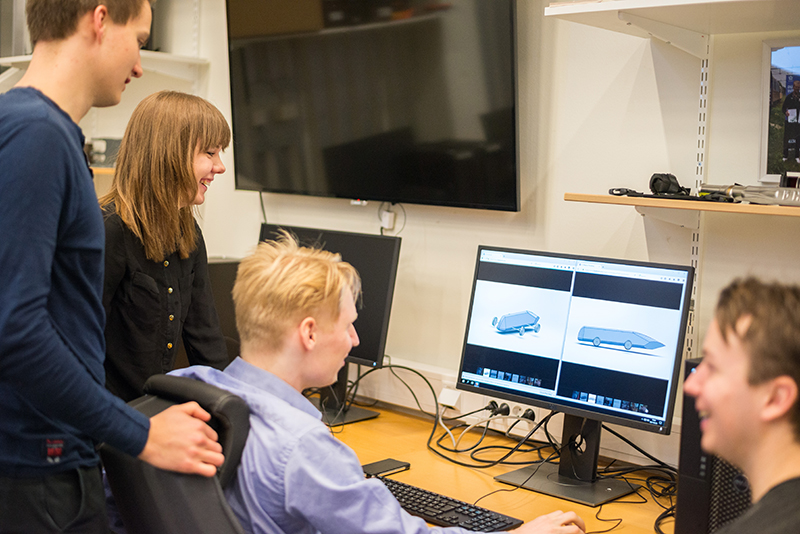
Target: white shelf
(180, 67)
(706, 17)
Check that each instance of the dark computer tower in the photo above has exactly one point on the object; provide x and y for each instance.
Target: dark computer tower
(711, 492)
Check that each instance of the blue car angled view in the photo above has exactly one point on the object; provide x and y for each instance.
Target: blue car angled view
(517, 322)
(623, 338)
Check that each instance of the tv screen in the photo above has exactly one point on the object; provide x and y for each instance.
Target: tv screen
(386, 102)
(597, 339)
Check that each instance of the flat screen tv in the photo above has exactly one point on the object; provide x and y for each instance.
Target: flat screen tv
(597, 339)
(391, 101)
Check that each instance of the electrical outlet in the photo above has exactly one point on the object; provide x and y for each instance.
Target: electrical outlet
(450, 398)
(387, 220)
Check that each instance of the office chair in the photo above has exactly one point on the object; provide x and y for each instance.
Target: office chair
(155, 501)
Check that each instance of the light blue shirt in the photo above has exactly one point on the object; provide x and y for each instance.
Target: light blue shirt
(294, 476)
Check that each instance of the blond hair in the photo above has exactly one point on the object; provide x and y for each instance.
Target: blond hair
(53, 20)
(772, 338)
(281, 283)
(155, 169)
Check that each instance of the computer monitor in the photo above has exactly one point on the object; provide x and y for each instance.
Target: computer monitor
(598, 339)
(375, 258)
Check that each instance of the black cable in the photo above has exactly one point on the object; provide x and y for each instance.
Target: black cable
(436, 420)
(663, 516)
(444, 434)
(650, 481)
(516, 486)
(474, 454)
(487, 463)
(463, 415)
(639, 449)
(405, 218)
(617, 522)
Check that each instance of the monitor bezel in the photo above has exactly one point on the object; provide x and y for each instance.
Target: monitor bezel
(563, 407)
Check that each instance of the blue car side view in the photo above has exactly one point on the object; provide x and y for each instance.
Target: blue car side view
(517, 322)
(624, 338)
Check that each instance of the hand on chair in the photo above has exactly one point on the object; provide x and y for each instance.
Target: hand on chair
(180, 440)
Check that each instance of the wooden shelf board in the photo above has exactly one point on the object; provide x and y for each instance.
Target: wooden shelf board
(719, 207)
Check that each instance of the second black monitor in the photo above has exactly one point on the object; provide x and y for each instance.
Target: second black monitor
(375, 258)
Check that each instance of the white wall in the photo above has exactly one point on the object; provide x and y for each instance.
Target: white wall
(580, 130)
(597, 110)
(740, 245)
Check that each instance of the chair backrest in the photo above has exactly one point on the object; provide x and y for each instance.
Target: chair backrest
(155, 501)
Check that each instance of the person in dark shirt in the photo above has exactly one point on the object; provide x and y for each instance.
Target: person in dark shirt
(54, 408)
(156, 290)
(746, 392)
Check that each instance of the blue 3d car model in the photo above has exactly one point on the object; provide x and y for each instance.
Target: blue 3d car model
(517, 322)
(623, 338)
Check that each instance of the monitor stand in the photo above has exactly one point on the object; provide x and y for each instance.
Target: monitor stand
(334, 409)
(575, 476)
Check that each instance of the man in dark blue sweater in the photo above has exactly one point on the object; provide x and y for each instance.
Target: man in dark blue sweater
(54, 407)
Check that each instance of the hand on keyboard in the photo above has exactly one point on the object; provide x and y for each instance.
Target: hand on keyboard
(560, 522)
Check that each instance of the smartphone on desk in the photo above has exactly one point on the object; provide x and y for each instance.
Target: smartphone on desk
(385, 467)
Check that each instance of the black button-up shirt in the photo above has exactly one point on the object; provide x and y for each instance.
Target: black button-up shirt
(149, 306)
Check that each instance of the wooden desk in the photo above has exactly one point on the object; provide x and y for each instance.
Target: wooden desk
(403, 437)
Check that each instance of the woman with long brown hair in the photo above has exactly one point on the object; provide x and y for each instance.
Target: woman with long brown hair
(156, 287)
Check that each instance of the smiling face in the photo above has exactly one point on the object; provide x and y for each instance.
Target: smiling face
(120, 60)
(727, 403)
(207, 164)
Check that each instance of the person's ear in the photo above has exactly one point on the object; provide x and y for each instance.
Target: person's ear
(99, 20)
(308, 333)
(781, 396)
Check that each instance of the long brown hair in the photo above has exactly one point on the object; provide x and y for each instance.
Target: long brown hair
(155, 169)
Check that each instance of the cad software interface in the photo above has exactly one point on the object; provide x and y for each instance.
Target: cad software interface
(591, 334)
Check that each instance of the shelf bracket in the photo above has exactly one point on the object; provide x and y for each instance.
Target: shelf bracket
(687, 40)
(683, 218)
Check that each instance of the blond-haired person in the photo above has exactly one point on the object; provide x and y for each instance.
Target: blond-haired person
(54, 408)
(156, 291)
(295, 309)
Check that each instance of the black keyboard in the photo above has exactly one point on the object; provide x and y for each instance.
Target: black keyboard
(446, 512)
